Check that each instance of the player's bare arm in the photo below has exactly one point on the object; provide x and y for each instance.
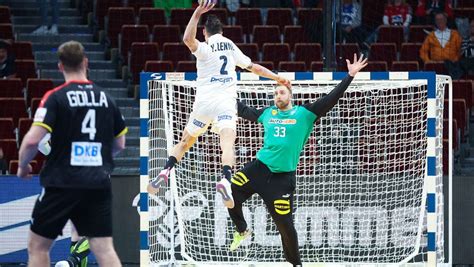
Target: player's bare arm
(189, 37)
(264, 72)
(28, 149)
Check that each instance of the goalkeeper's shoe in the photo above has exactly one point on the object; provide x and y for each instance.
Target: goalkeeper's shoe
(239, 238)
(78, 256)
(160, 181)
(224, 188)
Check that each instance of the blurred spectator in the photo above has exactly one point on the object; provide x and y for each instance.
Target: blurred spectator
(309, 3)
(349, 18)
(167, 5)
(443, 44)
(7, 62)
(3, 163)
(466, 63)
(427, 9)
(43, 8)
(396, 13)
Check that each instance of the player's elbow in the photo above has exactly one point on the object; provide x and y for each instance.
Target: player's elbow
(119, 145)
(188, 41)
(256, 68)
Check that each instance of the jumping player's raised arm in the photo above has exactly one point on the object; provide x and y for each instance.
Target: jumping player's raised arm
(189, 37)
(324, 104)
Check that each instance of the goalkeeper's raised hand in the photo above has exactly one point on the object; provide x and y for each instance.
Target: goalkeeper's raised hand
(359, 63)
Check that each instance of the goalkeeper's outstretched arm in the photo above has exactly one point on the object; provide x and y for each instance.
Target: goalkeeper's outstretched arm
(248, 113)
(324, 104)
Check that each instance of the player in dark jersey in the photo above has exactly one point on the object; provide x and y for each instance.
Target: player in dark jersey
(87, 129)
(272, 174)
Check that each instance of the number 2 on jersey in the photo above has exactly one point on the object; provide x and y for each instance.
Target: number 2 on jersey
(88, 124)
(280, 131)
(224, 64)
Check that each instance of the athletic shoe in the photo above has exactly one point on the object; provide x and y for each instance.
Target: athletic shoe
(78, 256)
(41, 30)
(160, 181)
(224, 188)
(53, 30)
(239, 238)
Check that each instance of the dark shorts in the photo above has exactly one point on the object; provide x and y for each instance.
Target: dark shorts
(89, 210)
(276, 189)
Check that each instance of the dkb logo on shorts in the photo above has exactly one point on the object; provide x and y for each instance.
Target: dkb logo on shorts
(199, 124)
(282, 206)
(224, 117)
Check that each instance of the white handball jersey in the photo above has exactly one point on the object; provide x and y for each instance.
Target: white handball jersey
(216, 61)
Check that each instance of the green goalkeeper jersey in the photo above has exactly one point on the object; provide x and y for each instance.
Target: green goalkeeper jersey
(286, 132)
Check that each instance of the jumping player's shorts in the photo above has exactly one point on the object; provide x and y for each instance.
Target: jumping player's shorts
(220, 112)
(89, 210)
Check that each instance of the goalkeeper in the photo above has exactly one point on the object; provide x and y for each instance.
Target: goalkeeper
(272, 174)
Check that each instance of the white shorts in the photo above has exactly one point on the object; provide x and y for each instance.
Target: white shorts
(220, 112)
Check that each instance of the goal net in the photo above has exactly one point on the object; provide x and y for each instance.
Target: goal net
(361, 182)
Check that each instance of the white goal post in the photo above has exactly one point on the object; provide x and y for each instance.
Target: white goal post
(370, 187)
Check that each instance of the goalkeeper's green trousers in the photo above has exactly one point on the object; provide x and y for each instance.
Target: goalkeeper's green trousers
(276, 190)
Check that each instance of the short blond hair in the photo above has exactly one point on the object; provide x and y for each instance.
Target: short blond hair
(71, 55)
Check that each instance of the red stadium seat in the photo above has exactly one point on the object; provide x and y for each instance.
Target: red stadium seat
(276, 53)
(14, 108)
(159, 66)
(411, 52)
(293, 35)
(464, 12)
(280, 17)
(186, 66)
(220, 13)
(292, 66)
(343, 52)
(372, 17)
(383, 51)
(24, 125)
(139, 54)
(436, 66)
(117, 17)
(376, 66)
(10, 149)
(132, 34)
(5, 15)
(309, 17)
(317, 66)
(250, 50)
(7, 131)
(34, 105)
(180, 17)
(102, 7)
(25, 69)
(248, 18)
(234, 33)
(391, 34)
(405, 66)
(465, 3)
(176, 52)
(6, 31)
(36, 88)
(23, 50)
(307, 52)
(11, 88)
(463, 89)
(266, 34)
(460, 115)
(151, 17)
(418, 33)
(138, 4)
(166, 34)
